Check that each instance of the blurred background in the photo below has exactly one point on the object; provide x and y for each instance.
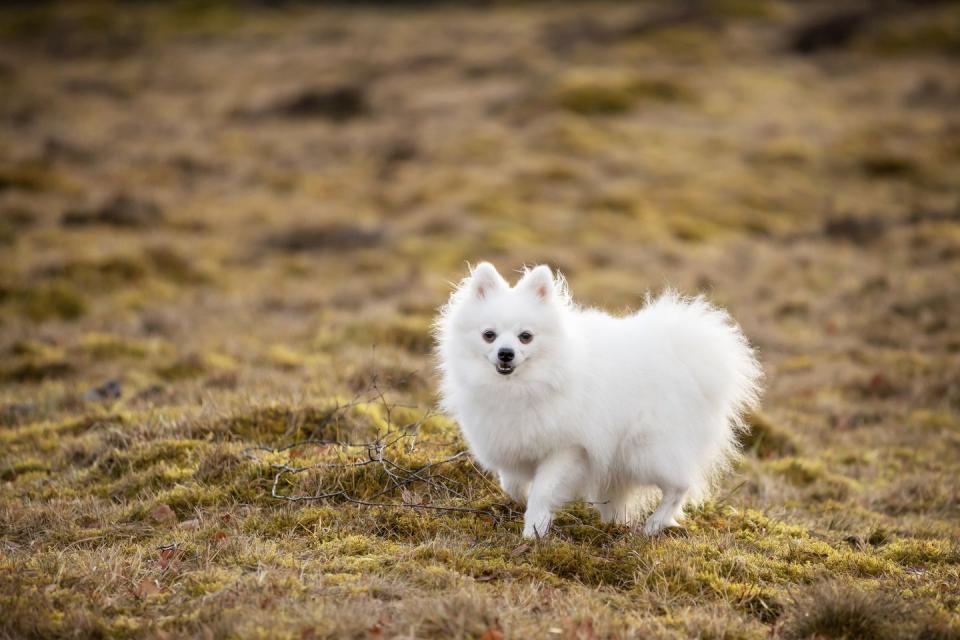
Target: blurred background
(206, 206)
(288, 183)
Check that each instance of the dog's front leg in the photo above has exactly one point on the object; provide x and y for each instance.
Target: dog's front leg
(557, 480)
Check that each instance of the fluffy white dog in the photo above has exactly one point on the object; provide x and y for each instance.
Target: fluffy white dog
(565, 402)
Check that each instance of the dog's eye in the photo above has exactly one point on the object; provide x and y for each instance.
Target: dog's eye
(525, 337)
(489, 335)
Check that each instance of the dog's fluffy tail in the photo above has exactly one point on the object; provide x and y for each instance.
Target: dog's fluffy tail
(724, 366)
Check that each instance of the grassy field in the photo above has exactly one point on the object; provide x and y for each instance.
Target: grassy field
(224, 233)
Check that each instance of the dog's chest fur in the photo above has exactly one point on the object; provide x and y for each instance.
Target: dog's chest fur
(515, 431)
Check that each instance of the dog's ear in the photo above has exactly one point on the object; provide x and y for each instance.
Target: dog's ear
(484, 280)
(539, 282)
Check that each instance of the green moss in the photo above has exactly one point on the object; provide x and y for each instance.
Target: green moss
(200, 584)
(204, 19)
(50, 437)
(595, 98)
(813, 475)
(50, 301)
(35, 349)
(194, 365)
(487, 563)
(118, 463)
(271, 422)
(669, 572)
(185, 499)
(31, 370)
(578, 562)
(407, 525)
(103, 346)
(691, 228)
(427, 423)
(359, 422)
(155, 478)
(28, 177)
(285, 357)
(910, 552)
(11, 471)
(935, 421)
(798, 471)
(605, 93)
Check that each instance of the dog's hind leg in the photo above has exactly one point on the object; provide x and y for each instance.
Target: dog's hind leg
(667, 512)
(616, 505)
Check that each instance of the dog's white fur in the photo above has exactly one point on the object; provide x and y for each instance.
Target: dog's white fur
(598, 407)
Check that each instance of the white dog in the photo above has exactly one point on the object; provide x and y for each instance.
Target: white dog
(566, 403)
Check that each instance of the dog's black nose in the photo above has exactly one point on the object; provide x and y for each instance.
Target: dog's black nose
(505, 355)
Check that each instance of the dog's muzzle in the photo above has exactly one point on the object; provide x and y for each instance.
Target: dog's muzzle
(505, 358)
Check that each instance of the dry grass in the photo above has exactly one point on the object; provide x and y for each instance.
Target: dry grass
(225, 227)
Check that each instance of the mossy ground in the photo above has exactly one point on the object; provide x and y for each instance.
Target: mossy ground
(247, 217)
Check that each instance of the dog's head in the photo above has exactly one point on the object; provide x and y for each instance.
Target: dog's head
(491, 330)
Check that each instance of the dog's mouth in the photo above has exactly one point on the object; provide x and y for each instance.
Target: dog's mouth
(504, 368)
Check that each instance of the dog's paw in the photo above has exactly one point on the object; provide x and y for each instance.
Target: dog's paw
(654, 527)
(536, 525)
(534, 532)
